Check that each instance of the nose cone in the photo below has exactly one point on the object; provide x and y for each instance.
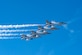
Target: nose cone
(54, 28)
(61, 23)
(47, 33)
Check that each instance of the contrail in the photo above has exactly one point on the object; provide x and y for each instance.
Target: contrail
(70, 22)
(68, 29)
(9, 37)
(15, 30)
(19, 26)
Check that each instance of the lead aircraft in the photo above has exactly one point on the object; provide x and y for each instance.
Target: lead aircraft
(54, 23)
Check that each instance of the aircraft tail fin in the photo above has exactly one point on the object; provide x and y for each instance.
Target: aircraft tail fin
(47, 22)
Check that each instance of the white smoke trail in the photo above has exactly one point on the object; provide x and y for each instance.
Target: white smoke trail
(15, 30)
(9, 34)
(19, 26)
(9, 37)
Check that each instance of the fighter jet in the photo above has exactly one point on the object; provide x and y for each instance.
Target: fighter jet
(23, 36)
(29, 36)
(52, 23)
(47, 28)
(34, 35)
(40, 32)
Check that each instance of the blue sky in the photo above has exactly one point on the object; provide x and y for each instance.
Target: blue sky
(60, 42)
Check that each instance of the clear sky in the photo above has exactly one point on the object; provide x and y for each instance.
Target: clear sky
(65, 41)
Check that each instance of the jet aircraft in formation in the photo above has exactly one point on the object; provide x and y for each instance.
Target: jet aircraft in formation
(42, 30)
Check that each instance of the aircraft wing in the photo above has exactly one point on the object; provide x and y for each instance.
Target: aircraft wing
(23, 36)
(40, 28)
(33, 32)
(50, 28)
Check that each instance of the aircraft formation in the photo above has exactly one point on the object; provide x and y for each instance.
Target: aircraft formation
(42, 30)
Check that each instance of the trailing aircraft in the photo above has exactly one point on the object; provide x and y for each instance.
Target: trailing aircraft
(25, 37)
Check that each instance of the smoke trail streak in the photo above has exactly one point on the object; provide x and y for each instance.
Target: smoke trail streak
(16, 30)
(9, 37)
(19, 26)
(10, 34)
